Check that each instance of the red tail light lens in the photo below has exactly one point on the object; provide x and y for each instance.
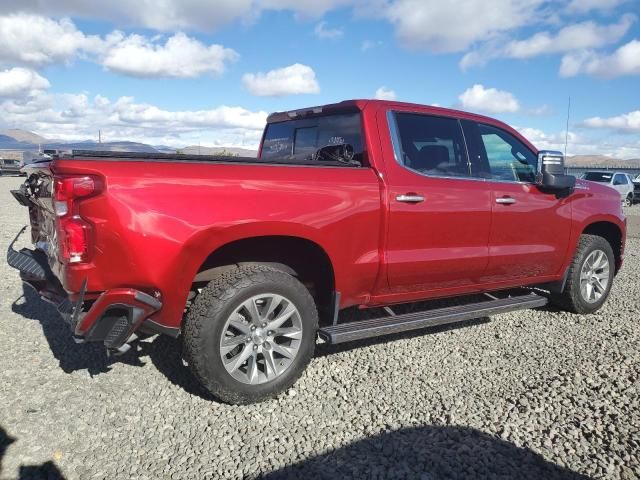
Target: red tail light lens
(74, 232)
(74, 240)
(66, 189)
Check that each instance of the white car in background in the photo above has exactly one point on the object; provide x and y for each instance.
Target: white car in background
(621, 181)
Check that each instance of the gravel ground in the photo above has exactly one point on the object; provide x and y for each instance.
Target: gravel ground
(533, 394)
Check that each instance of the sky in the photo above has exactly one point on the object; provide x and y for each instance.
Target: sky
(183, 72)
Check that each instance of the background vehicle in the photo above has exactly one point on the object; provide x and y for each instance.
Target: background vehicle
(636, 189)
(10, 166)
(621, 181)
(367, 204)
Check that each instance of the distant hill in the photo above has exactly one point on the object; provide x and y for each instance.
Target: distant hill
(601, 161)
(10, 143)
(24, 136)
(196, 150)
(17, 139)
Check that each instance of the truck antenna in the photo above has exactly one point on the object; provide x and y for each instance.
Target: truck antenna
(566, 132)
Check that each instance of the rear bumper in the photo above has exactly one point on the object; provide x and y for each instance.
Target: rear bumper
(110, 318)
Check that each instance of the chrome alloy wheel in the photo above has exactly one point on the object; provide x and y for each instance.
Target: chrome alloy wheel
(594, 276)
(261, 338)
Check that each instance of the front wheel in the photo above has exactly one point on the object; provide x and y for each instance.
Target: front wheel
(589, 278)
(250, 333)
(628, 201)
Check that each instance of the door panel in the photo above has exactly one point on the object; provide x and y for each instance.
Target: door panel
(530, 229)
(441, 241)
(528, 238)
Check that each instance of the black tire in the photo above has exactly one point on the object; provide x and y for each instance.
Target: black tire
(571, 298)
(206, 319)
(628, 201)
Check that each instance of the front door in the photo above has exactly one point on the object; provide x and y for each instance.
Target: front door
(530, 229)
(439, 217)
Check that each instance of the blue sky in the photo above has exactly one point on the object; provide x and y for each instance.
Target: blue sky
(183, 72)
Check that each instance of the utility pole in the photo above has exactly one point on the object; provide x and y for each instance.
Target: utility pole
(566, 132)
(99, 136)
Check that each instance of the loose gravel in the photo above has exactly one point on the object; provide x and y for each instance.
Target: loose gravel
(532, 394)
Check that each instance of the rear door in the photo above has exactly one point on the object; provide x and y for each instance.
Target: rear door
(530, 229)
(439, 215)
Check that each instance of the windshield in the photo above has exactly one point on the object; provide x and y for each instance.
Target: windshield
(602, 177)
(295, 140)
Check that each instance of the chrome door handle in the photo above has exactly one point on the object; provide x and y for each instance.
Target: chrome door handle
(410, 198)
(505, 200)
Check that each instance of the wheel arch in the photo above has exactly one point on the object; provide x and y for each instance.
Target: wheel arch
(298, 256)
(612, 234)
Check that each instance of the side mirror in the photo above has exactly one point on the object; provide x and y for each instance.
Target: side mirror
(551, 174)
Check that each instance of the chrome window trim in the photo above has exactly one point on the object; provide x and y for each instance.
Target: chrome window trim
(397, 152)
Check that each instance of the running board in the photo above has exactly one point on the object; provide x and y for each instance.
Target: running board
(376, 327)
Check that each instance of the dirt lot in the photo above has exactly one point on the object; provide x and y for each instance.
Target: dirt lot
(533, 394)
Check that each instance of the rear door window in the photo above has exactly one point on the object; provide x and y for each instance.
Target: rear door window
(431, 145)
(297, 140)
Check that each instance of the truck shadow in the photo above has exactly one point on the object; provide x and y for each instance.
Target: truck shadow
(430, 452)
(164, 352)
(45, 471)
(71, 356)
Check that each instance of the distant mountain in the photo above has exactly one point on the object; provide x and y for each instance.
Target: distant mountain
(16, 139)
(105, 146)
(24, 136)
(601, 161)
(10, 143)
(197, 150)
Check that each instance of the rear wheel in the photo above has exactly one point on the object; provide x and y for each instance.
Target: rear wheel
(250, 333)
(589, 278)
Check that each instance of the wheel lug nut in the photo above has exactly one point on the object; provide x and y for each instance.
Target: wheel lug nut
(255, 347)
(264, 325)
(270, 333)
(253, 327)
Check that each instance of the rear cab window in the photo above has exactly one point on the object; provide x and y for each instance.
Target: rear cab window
(297, 140)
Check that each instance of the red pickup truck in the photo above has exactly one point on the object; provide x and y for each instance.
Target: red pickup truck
(364, 203)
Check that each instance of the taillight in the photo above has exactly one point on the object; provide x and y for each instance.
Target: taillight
(66, 189)
(74, 239)
(74, 232)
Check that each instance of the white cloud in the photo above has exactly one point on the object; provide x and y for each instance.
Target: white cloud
(384, 93)
(78, 117)
(624, 61)
(489, 100)
(581, 145)
(292, 80)
(165, 15)
(627, 122)
(326, 33)
(180, 56)
(443, 27)
(578, 36)
(305, 9)
(585, 6)
(21, 82)
(35, 40)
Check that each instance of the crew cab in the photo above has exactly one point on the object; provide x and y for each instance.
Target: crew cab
(363, 205)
